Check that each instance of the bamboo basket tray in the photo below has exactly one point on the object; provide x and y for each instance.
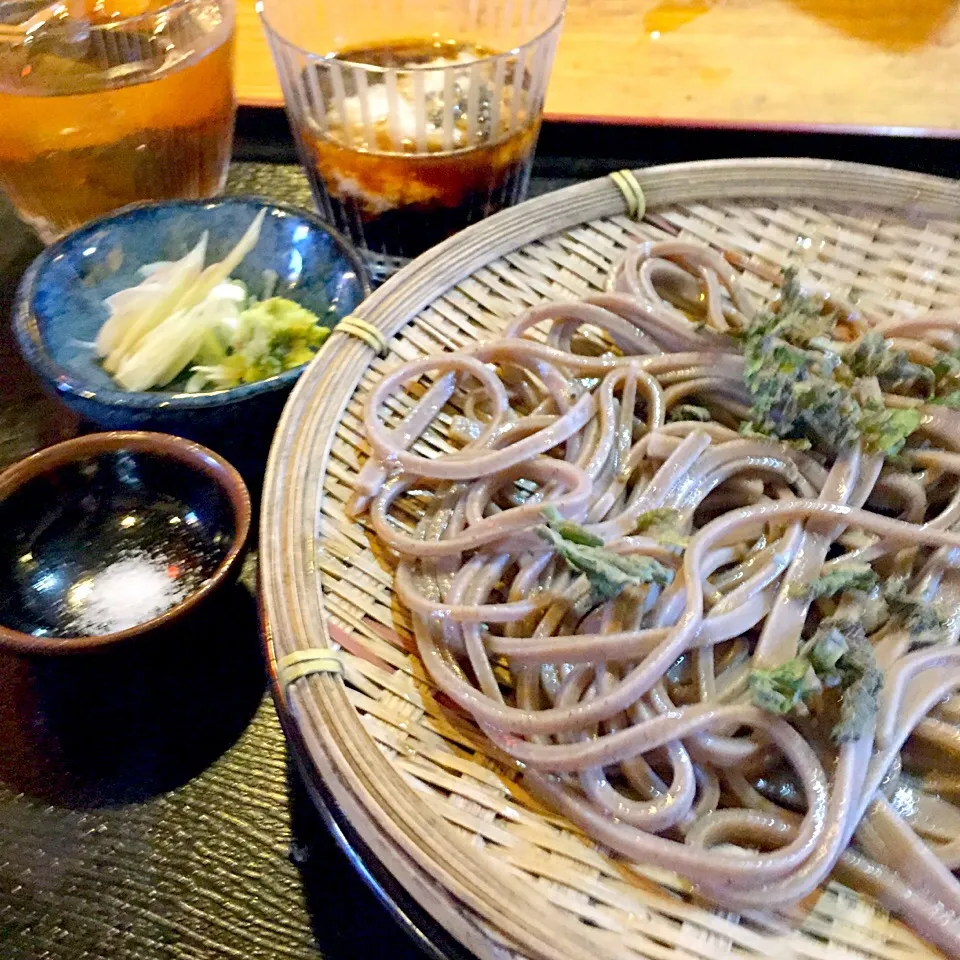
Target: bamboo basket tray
(423, 788)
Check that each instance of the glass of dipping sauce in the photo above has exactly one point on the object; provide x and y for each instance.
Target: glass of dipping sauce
(413, 118)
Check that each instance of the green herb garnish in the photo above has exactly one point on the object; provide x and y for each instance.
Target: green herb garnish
(747, 429)
(846, 576)
(924, 622)
(689, 411)
(663, 524)
(885, 430)
(568, 529)
(947, 366)
(872, 356)
(951, 400)
(826, 653)
(804, 383)
(782, 689)
(846, 660)
(609, 573)
(840, 657)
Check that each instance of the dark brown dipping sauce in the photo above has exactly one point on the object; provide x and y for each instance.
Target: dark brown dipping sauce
(407, 199)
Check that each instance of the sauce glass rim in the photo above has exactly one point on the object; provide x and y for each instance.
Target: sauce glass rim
(274, 33)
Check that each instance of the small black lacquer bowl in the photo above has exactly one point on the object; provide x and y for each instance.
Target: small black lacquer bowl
(115, 537)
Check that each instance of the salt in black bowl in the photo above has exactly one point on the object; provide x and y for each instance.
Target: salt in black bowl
(112, 535)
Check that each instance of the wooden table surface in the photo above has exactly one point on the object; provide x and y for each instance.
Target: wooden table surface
(796, 64)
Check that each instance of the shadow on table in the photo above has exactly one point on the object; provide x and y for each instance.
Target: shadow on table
(348, 918)
(124, 725)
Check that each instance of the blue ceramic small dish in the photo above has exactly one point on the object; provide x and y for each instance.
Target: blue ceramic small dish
(59, 309)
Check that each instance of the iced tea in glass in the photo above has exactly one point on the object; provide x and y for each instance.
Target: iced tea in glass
(109, 105)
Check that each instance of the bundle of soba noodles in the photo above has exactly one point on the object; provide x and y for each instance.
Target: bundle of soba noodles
(694, 563)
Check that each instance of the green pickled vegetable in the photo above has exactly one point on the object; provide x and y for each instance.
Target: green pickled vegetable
(270, 337)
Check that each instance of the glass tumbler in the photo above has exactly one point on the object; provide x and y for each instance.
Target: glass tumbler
(413, 118)
(101, 107)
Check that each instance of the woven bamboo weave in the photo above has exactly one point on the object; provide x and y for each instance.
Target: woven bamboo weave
(434, 800)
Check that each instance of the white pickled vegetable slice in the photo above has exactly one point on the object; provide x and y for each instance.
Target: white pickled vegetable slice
(217, 273)
(136, 311)
(171, 346)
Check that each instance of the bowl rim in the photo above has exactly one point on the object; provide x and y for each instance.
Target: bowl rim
(36, 351)
(187, 452)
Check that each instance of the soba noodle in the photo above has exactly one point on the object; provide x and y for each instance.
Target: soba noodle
(638, 711)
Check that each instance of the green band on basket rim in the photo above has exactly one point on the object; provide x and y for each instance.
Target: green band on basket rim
(355, 326)
(302, 663)
(632, 192)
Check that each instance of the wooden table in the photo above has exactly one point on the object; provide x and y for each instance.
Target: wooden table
(889, 66)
